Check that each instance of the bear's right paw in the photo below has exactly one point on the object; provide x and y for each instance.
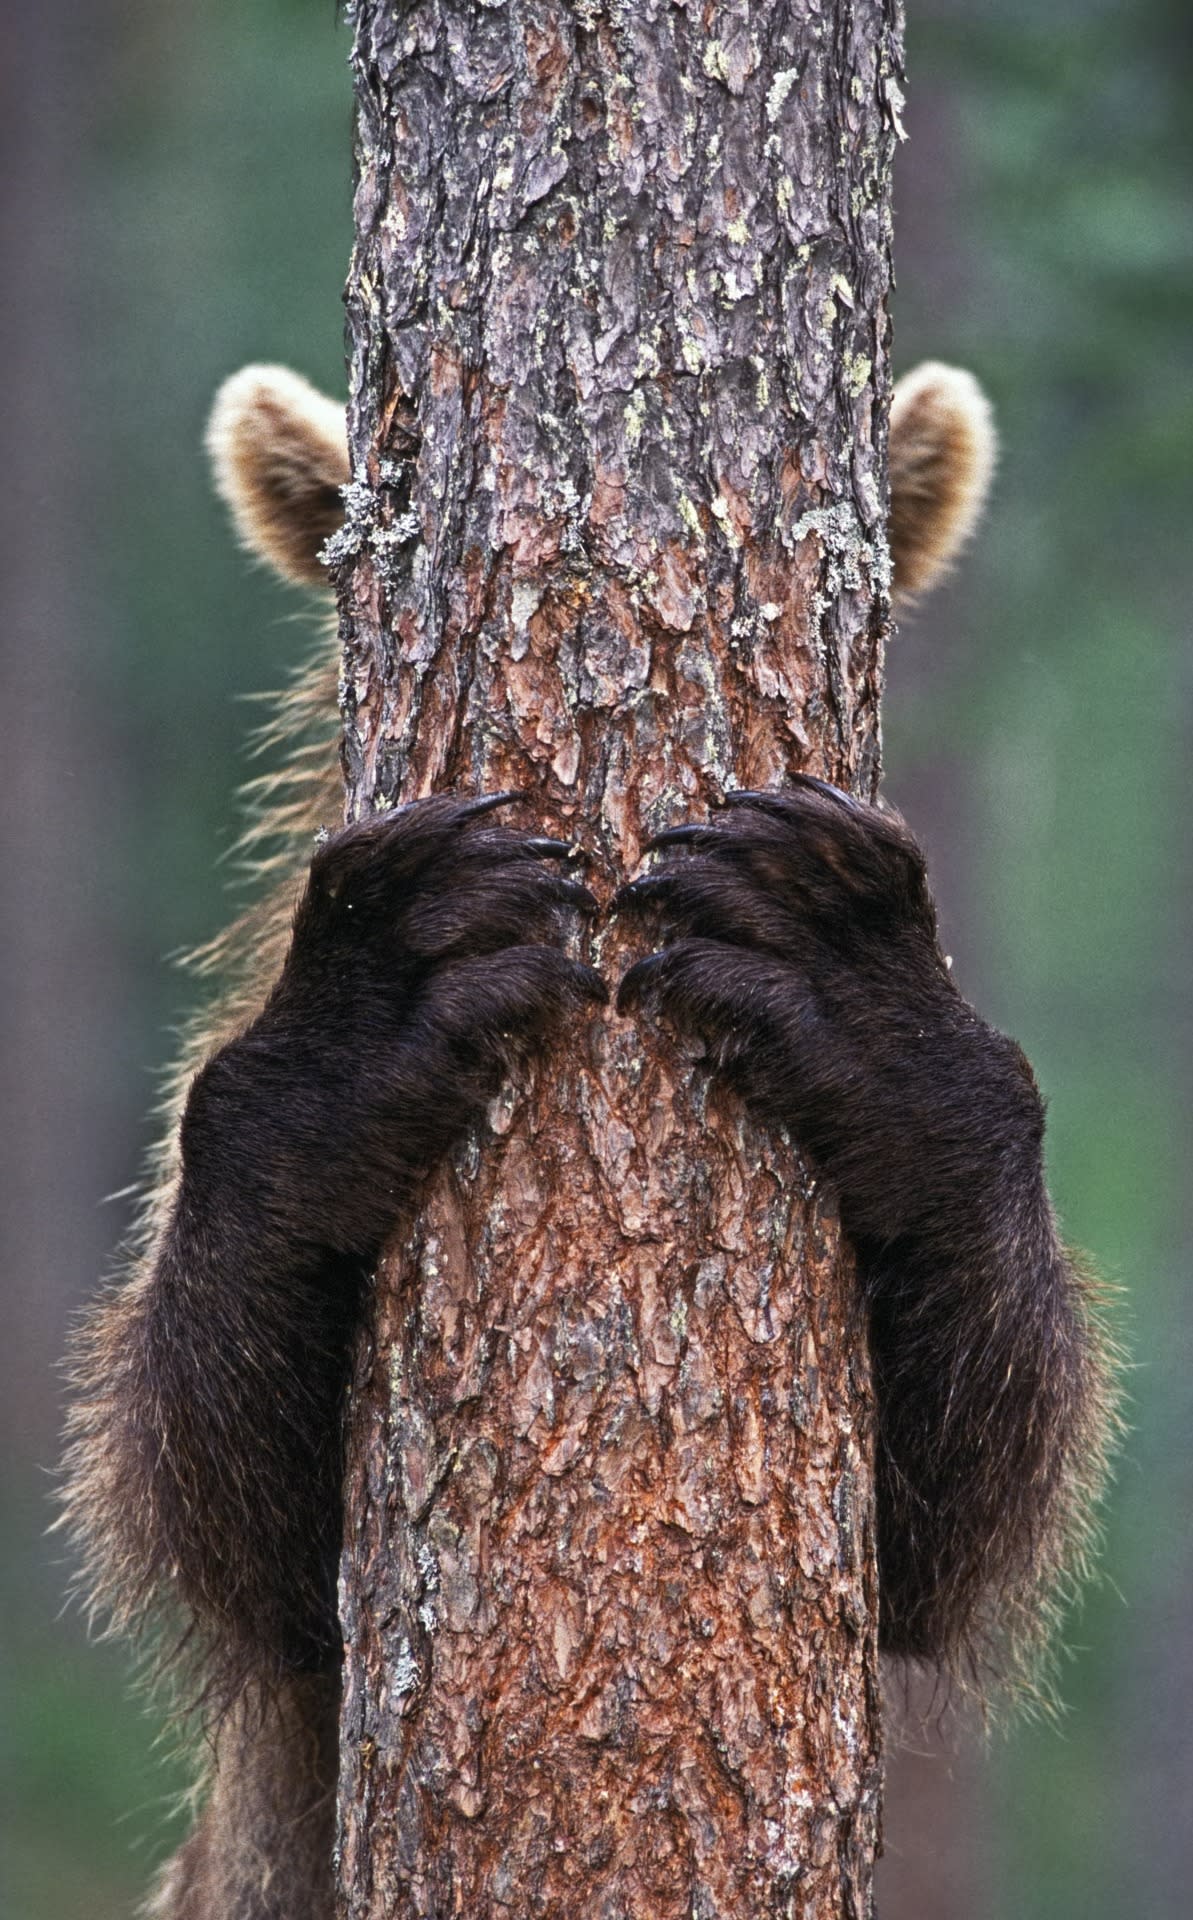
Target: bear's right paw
(427, 959)
(431, 883)
(440, 929)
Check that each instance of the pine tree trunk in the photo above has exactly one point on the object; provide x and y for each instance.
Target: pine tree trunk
(619, 386)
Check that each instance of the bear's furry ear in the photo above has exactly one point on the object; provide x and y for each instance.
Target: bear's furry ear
(279, 455)
(942, 452)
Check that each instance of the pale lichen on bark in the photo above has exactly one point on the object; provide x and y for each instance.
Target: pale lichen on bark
(619, 383)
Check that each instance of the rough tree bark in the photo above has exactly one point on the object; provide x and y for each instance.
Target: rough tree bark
(619, 385)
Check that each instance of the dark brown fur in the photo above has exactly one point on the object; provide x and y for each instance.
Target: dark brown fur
(802, 948)
(262, 1847)
(369, 1009)
(207, 1452)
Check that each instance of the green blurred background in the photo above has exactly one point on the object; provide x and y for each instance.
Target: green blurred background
(174, 200)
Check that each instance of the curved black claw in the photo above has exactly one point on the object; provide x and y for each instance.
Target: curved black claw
(693, 833)
(777, 798)
(637, 981)
(542, 848)
(589, 984)
(477, 807)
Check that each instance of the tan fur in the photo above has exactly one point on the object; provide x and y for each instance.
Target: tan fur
(279, 451)
(280, 456)
(942, 453)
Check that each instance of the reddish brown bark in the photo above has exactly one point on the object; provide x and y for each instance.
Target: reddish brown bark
(619, 387)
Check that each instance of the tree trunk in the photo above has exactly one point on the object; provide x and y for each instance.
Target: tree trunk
(619, 388)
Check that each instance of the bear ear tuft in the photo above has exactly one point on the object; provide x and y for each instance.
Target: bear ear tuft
(279, 455)
(942, 450)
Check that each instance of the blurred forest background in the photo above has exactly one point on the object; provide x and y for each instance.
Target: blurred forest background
(174, 201)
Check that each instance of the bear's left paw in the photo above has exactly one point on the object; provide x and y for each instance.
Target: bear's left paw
(806, 874)
(799, 945)
(778, 869)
